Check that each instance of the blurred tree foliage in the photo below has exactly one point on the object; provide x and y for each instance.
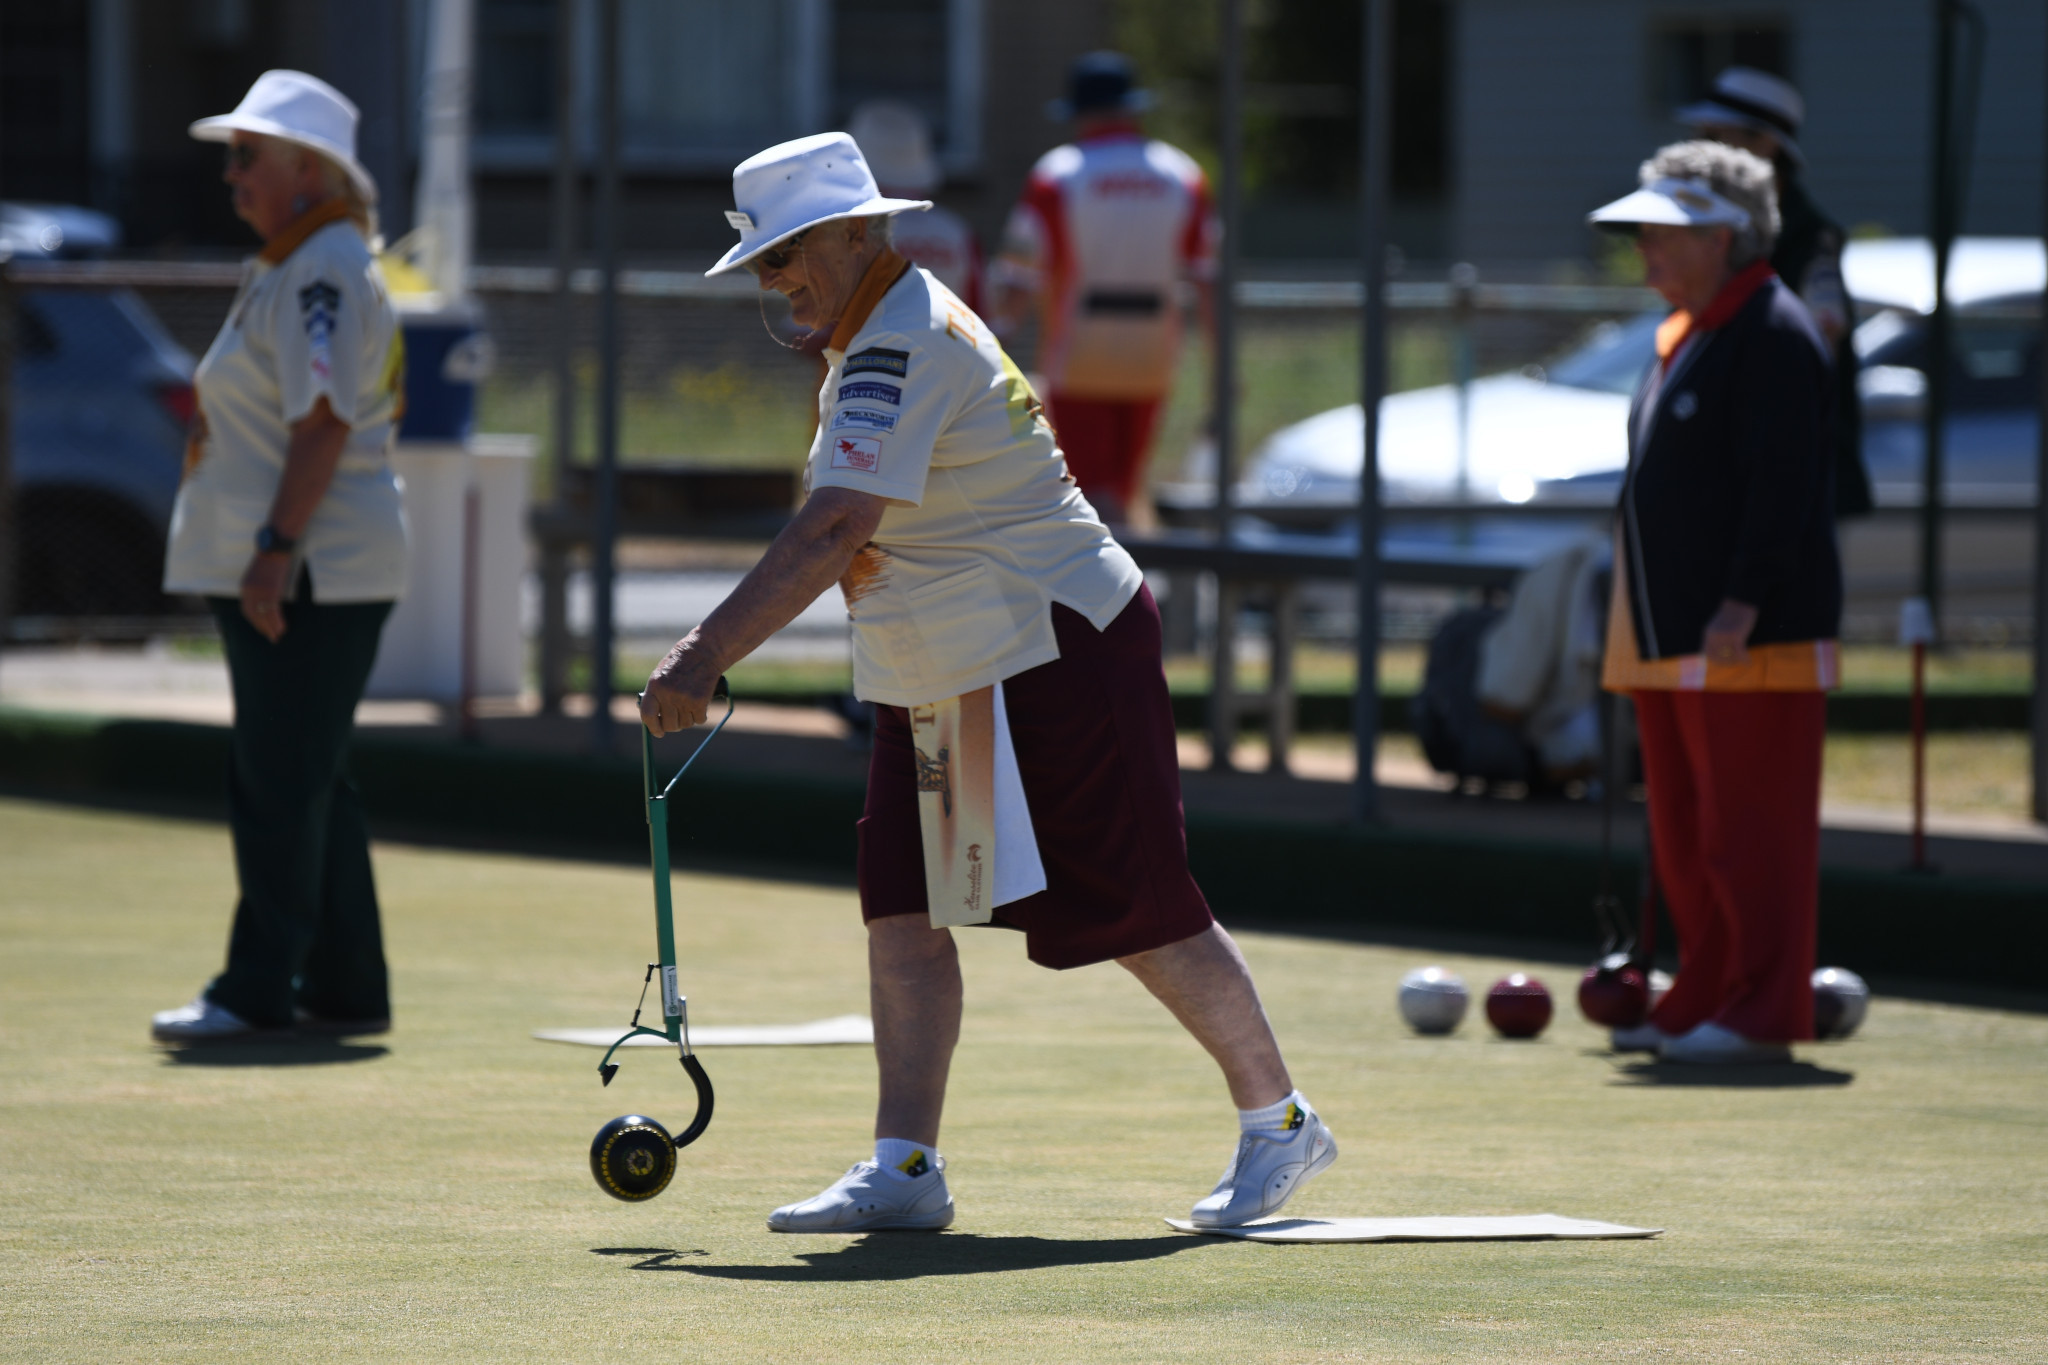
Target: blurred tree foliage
(1302, 63)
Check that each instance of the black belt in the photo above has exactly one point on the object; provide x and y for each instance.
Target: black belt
(1141, 303)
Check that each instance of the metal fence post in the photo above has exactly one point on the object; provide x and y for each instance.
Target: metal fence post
(605, 528)
(1375, 108)
(2040, 745)
(554, 627)
(10, 544)
(1230, 135)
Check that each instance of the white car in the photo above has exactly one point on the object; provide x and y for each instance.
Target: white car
(1558, 435)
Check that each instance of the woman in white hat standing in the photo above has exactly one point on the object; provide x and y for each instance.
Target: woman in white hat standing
(1727, 605)
(1024, 773)
(289, 523)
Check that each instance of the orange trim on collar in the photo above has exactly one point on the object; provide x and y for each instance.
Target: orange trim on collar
(882, 275)
(295, 233)
(1672, 332)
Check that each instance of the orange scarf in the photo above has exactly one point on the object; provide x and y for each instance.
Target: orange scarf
(1672, 332)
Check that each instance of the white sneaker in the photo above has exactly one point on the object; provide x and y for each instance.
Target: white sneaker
(868, 1198)
(1641, 1038)
(202, 1021)
(1266, 1170)
(1712, 1045)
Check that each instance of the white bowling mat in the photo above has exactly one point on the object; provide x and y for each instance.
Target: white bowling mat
(845, 1028)
(1537, 1227)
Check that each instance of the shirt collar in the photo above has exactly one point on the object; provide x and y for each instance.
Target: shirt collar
(881, 277)
(294, 234)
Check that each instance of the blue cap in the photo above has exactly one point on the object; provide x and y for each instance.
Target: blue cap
(1100, 83)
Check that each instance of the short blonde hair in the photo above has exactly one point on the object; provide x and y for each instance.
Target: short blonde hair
(339, 184)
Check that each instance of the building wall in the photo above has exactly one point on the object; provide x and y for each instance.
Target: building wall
(1554, 111)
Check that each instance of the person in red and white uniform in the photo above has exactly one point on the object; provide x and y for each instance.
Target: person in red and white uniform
(1107, 230)
(898, 146)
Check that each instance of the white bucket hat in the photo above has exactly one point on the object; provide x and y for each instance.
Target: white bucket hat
(897, 144)
(797, 185)
(1744, 97)
(1677, 202)
(305, 110)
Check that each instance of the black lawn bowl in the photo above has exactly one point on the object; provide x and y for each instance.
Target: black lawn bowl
(633, 1158)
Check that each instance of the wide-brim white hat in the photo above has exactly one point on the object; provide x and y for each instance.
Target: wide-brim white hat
(794, 186)
(1676, 202)
(301, 109)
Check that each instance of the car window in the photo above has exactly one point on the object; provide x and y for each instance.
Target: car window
(1612, 359)
(1996, 362)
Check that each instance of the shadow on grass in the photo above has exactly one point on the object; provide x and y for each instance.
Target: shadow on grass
(280, 1052)
(908, 1256)
(1774, 1076)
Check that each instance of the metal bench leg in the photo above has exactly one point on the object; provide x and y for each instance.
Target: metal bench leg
(1223, 706)
(1283, 633)
(554, 626)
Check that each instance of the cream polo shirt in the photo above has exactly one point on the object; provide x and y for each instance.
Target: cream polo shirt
(985, 529)
(317, 323)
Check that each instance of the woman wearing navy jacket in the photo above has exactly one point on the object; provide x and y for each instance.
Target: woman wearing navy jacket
(1727, 604)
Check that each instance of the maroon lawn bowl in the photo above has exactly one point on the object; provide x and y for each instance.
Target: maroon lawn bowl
(1518, 1006)
(1614, 993)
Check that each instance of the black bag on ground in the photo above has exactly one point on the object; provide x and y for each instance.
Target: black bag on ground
(1457, 736)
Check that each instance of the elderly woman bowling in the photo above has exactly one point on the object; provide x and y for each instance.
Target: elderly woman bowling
(288, 523)
(1024, 772)
(1726, 605)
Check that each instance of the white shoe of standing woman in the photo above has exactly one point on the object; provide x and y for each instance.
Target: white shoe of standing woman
(1710, 1044)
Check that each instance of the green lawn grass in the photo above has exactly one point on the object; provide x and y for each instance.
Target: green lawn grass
(425, 1197)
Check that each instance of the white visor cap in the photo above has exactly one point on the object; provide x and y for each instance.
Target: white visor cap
(300, 109)
(797, 185)
(1678, 203)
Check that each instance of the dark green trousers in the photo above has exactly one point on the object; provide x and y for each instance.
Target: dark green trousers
(306, 931)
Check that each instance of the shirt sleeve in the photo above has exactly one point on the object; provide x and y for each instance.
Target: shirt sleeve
(1030, 239)
(1200, 235)
(319, 341)
(883, 416)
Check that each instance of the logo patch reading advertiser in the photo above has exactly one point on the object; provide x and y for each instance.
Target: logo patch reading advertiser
(864, 417)
(856, 452)
(873, 392)
(879, 361)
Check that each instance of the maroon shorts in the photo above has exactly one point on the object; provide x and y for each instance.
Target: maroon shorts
(1094, 737)
(1105, 441)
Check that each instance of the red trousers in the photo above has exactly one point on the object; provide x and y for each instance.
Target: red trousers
(1734, 780)
(1105, 441)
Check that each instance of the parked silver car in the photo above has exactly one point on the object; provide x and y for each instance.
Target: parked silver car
(1558, 434)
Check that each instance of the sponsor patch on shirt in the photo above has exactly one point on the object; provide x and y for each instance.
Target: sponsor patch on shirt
(864, 417)
(868, 389)
(879, 361)
(856, 452)
(318, 303)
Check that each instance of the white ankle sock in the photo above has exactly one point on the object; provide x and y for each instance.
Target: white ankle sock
(1281, 1116)
(903, 1158)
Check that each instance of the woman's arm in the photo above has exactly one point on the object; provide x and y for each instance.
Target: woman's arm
(310, 459)
(810, 555)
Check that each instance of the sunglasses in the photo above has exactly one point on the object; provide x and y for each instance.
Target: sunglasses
(779, 257)
(242, 155)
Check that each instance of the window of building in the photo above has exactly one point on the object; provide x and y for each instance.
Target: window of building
(704, 83)
(1686, 54)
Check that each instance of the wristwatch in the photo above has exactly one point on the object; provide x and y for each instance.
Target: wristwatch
(271, 541)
